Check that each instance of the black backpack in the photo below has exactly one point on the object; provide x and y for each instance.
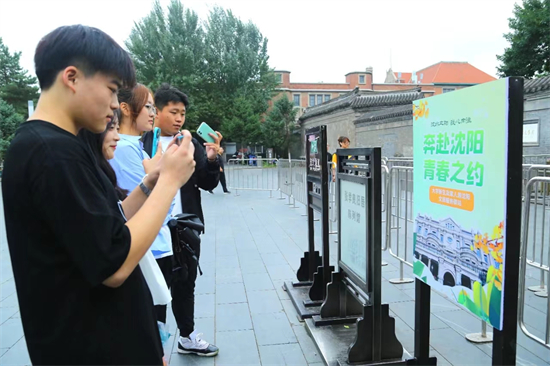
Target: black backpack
(185, 230)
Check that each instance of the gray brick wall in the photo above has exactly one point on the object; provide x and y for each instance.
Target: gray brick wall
(537, 107)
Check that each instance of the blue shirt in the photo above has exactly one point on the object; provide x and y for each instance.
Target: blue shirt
(129, 171)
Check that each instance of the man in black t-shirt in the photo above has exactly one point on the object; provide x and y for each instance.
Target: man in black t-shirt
(82, 295)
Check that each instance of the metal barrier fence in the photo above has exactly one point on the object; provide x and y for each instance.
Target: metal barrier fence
(541, 159)
(399, 217)
(536, 182)
(252, 175)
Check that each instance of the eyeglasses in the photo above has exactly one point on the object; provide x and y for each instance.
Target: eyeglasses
(151, 108)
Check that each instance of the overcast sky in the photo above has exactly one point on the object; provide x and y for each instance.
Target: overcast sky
(317, 40)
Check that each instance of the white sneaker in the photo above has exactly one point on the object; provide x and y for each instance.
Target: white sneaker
(195, 345)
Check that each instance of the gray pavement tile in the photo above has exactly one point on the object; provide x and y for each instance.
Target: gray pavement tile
(283, 295)
(533, 347)
(441, 361)
(231, 317)
(7, 288)
(438, 303)
(282, 354)
(205, 285)
(462, 321)
(306, 343)
(534, 301)
(251, 267)
(257, 281)
(228, 275)
(456, 349)
(16, 355)
(6, 313)
(12, 331)
(532, 318)
(231, 261)
(237, 348)
(267, 248)
(281, 272)
(228, 293)
(405, 311)
(205, 306)
(404, 334)
(291, 313)
(262, 302)
(391, 294)
(527, 358)
(177, 359)
(226, 249)
(274, 259)
(272, 328)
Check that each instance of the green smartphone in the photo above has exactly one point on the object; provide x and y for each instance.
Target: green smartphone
(204, 130)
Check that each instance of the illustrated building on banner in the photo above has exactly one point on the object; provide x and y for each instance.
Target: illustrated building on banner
(445, 248)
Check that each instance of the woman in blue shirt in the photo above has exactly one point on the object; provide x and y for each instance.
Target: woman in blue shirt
(137, 115)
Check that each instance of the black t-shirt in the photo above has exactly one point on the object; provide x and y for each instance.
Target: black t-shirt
(66, 236)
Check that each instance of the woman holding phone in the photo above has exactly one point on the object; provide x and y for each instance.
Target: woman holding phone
(137, 115)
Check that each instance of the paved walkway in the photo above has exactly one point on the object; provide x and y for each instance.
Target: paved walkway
(252, 245)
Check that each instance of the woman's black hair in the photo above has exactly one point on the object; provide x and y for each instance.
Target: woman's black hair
(95, 142)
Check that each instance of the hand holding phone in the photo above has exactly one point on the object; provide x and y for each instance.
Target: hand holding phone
(204, 132)
(156, 136)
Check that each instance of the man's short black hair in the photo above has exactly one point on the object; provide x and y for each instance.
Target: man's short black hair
(89, 49)
(166, 94)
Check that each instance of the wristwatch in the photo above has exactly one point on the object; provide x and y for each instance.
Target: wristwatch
(143, 187)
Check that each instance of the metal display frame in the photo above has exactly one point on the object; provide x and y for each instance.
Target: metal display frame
(308, 293)
(370, 339)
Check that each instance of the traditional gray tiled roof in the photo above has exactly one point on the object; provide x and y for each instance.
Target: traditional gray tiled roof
(341, 102)
(363, 99)
(395, 98)
(536, 85)
(386, 113)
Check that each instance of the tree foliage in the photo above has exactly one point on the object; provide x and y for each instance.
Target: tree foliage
(529, 51)
(9, 121)
(16, 86)
(279, 129)
(220, 63)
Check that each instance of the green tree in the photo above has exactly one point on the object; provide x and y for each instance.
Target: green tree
(9, 121)
(529, 51)
(16, 86)
(279, 129)
(215, 62)
(242, 125)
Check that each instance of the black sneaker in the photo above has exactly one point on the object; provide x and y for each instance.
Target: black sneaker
(195, 345)
(210, 192)
(226, 192)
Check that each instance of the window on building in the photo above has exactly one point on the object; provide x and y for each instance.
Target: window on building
(361, 79)
(448, 90)
(296, 100)
(315, 99)
(280, 78)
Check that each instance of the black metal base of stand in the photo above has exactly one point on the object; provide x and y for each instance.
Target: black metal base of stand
(300, 296)
(305, 273)
(318, 288)
(432, 361)
(333, 342)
